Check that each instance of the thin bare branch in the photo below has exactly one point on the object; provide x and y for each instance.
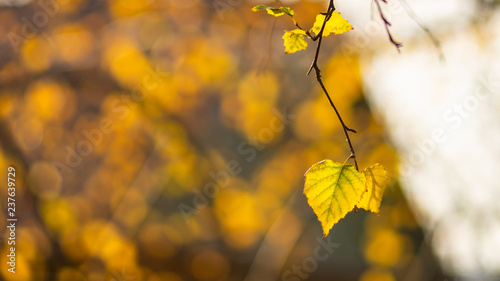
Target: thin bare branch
(314, 65)
(387, 24)
(411, 14)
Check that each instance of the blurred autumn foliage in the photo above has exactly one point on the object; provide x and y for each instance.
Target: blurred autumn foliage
(167, 140)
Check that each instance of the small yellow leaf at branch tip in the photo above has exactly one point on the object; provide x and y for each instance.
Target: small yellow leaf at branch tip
(277, 12)
(294, 41)
(336, 25)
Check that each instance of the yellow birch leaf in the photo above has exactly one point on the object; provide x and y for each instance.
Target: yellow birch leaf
(376, 182)
(332, 190)
(274, 11)
(336, 25)
(294, 41)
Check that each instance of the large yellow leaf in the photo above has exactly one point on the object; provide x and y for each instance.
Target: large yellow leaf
(332, 190)
(336, 25)
(294, 41)
(376, 182)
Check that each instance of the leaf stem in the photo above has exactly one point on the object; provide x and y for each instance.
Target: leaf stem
(314, 65)
(350, 156)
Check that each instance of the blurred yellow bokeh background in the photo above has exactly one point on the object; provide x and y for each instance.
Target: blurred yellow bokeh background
(167, 140)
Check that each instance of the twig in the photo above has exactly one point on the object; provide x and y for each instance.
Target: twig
(409, 12)
(314, 65)
(387, 24)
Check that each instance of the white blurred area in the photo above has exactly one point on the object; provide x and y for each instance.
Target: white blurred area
(443, 117)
